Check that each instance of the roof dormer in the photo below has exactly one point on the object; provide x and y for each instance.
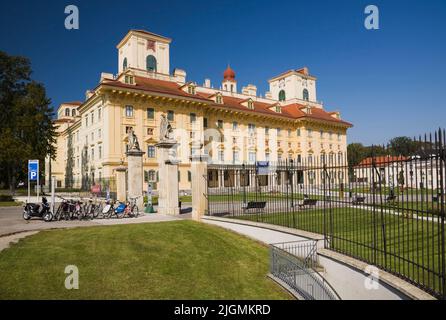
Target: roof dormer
(189, 87)
(276, 107)
(217, 98)
(249, 103)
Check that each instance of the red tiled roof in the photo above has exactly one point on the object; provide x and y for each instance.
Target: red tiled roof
(380, 160)
(167, 87)
(154, 85)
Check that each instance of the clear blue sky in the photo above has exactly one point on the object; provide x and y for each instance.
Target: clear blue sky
(387, 82)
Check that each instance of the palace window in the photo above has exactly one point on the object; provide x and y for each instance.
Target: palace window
(322, 134)
(309, 133)
(152, 175)
(298, 132)
(189, 176)
(221, 155)
(170, 115)
(282, 96)
(267, 156)
(235, 156)
(305, 95)
(150, 131)
(150, 113)
(127, 129)
(100, 152)
(99, 114)
(73, 112)
(92, 153)
(191, 89)
(250, 104)
(151, 63)
(266, 131)
(279, 132)
(252, 157)
(192, 118)
(219, 99)
(251, 128)
(124, 64)
(278, 109)
(220, 124)
(289, 133)
(205, 122)
(129, 111)
(234, 126)
(151, 151)
(92, 117)
(128, 79)
(67, 112)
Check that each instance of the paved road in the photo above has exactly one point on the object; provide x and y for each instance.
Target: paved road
(11, 221)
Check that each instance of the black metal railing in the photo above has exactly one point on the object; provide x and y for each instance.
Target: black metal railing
(387, 210)
(296, 264)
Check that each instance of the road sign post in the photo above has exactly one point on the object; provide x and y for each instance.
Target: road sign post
(33, 175)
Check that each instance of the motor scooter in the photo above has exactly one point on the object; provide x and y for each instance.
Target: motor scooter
(35, 210)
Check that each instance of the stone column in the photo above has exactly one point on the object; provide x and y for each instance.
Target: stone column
(121, 191)
(135, 176)
(168, 178)
(199, 171)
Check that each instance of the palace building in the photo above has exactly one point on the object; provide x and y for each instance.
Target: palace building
(228, 122)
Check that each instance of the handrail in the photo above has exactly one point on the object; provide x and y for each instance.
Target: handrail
(301, 259)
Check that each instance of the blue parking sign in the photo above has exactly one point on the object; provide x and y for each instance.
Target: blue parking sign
(33, 170)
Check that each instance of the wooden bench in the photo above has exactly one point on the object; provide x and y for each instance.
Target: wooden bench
(358, 200)
(308, 202)
(390, 198)
(258, 205)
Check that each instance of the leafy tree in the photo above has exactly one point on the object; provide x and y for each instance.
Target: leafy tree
(27, 130)
(403, 146)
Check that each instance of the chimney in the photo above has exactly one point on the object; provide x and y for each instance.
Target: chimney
(250, 90)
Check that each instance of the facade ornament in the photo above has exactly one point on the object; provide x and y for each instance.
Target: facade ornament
(133, 143)
(165, 129)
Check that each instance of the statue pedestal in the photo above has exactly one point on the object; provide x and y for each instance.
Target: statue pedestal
(168, 178)
(135, 176)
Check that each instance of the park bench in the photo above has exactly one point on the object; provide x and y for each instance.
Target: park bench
(258, 205)
(308, 202)
(390, 198)
(358, 200)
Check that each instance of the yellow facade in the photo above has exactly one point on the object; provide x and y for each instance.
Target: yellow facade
(230, 127)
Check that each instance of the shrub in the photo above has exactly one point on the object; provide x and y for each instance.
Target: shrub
(6, 198)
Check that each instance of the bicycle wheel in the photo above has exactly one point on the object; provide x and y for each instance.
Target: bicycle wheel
(135, 211)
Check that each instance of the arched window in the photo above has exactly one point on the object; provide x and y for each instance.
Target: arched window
(73, 112)
(151, 63)
(305, 95)
(124, 64)
(67, 112)
(282, 96)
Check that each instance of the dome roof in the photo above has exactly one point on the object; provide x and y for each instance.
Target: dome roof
(229, 74)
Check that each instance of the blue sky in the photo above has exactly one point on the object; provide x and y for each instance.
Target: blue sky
(387, 82)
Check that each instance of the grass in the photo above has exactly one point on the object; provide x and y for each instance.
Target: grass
(407, 241)
(169, 260)
(10, 204)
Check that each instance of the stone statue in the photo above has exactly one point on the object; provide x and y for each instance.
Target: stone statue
(165, 129)
(133, 141)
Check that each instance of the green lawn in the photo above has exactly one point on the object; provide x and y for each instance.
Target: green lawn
(415, 241)
(169, 260)
(10, 204)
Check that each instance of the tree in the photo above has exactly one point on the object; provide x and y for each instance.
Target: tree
(403, 146)
(27, 130)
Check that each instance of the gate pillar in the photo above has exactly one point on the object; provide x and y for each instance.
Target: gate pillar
(121, 191)
(199, 171)
(168, 200)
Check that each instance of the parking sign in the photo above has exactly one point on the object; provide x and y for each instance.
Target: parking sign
(33, 170)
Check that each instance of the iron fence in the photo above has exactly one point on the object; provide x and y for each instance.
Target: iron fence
(387, 210)
(296, 264)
